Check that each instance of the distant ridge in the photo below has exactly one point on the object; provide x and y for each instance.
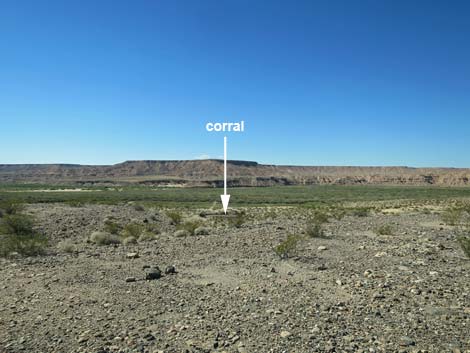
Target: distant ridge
(209, 172)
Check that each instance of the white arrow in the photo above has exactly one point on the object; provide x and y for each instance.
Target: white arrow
(225, 198)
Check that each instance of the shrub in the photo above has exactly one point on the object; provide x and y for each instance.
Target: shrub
(147, 236)
(385, 229)
(10, 207)
(112, 227)
(201, 231)
(103, 238)
(314, 230)
(74, 203)
(189, 226)
(182, 233)
(338, 213)
(66, 246)
(238, 220)
(17, 224)
(360, 212)
(132, 230)
(175, 217)
(129, 240)
(286, 248)
(320, 217)
(464, 242)
(17, 235)
(452, 216)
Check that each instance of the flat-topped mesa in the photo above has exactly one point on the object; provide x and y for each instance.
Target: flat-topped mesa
(208, 172)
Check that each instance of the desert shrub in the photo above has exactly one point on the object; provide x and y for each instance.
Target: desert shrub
(17, 235)
(74, 203)
(17, 224)
(112, 227)
(238, 220)
(66, 246)
(385, 229)
(182, 233)
(320, 217)
(103, 238)
(174, 216)
(189, 226)
(132, 229)
(10, 207)
(464, 242)
(286, 248)
(146, 236)
(314, 230)
(139, 207)
(129, 240)
(452, 216)
(338, 213)
(152, 228)
(360, 212)
(201, 231)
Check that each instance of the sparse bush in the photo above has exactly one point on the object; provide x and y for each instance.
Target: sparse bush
(132, 229)
(314, 230)
(182, 233)
(112, 227)
(10, 208)
(201, 231)
(75, 203)
(464, 242)
(129, 240)
(385, 229)
(320, 217)
(338, 213)
(17, 224)
(147, 236)
(152, 228)
(175, 217)
(67, 246)
(103, 238)
(189, 226)
(452, 216)
(17, 235)
(286, 248)
(360, 212)
(238, 220)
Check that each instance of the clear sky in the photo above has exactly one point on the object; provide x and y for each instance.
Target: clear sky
(316, 82)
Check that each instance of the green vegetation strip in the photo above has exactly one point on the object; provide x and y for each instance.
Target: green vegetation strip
(203, 197)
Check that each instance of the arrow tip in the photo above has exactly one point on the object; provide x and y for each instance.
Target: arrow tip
(225, 200)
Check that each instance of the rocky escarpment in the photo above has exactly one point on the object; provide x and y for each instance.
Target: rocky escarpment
(241, 173)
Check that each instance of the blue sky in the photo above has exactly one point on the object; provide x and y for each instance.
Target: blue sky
(316, 82)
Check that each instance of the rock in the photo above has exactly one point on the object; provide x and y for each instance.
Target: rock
(170, 270)
(406, 341)
(182, 233)
(322, 248)
(322, 267)
(201, 231)
(285, 334)
(132, 255)
(152, 273)
(130, 279)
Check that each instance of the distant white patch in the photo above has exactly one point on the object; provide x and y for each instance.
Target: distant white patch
(203, 156)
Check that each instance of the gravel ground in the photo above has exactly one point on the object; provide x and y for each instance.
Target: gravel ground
(350, 291)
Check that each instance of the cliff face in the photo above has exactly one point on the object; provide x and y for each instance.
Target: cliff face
(241, 173)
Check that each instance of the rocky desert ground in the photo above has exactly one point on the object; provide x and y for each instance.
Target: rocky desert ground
(393, 280)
